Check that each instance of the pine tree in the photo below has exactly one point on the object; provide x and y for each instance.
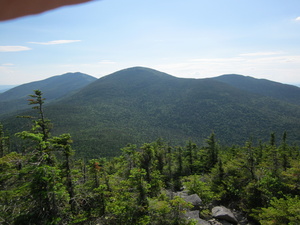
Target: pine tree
(4, 142)
(63, 143)
(46, 189)
(190, 152)
(212, 151)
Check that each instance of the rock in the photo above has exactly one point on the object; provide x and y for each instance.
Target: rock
(202, 222)
(224, 222)
(182, 194)
(222, 213)
(214, 222)
(221, 222)
(194, 199)
(192, 214)
(195, 215)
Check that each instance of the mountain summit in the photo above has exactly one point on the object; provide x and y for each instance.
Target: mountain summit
(54, 88)
(139, 105)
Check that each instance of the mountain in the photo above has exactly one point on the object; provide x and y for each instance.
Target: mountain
(4, 88)
(53, 88)
(138, 105)
(285, 92)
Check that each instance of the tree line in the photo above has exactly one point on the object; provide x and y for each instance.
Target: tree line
(44, 183)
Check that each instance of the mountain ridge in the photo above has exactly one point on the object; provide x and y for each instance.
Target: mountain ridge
(21, 91)
(55, 87)
(139, 105)
(286, 92)
(147, 104)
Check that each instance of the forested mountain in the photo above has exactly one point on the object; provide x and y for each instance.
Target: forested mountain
(149, 184)
(285, 92)
(138, 105)
(53, 88)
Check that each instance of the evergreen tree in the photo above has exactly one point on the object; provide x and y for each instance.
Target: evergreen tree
(283, 151)
(212, 151)
(46, 189)
(63, 143)
(191, 155)
(4, 142)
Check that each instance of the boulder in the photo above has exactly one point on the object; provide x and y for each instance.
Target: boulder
(194, 199)
(182, 194)
(195, 215)
(222, 213)
(218, 222)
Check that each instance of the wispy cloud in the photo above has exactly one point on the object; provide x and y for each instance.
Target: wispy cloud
(298, 18)
(261, 54)
(7, 64)
(217, 60)
(13, 48)
(56, 42)
(265, 66)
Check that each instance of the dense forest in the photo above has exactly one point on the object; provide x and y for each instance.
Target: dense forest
(43, 182)
(138, 105)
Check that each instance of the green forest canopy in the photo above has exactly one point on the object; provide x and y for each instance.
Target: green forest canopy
(44, 184)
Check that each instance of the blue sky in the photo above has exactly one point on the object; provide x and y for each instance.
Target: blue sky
(192, 38)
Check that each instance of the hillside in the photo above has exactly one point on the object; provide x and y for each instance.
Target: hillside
(53, 88)
(139, 105)
(264, 87)
(152, 183)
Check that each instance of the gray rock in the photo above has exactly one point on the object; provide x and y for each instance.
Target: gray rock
(194, 199)
(214, 222)
(224, 222)
(202, 222)
(222, 213)
(195, 215)
(192, 214)
(182, 194)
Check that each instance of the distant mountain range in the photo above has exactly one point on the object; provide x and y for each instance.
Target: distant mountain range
(138, 105)
(4, 88)
(54, 88)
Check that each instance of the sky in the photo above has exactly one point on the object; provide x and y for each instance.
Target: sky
(190, 39)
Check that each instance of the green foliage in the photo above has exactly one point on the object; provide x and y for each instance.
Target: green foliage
(179, 207)
(281, 211)
(139, 105)
(196, 186)
(49, 196)
(4, 142)
(13, 191)
(44, 185)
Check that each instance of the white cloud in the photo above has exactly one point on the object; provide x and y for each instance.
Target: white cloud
(217, 60)
(261, 54)
(56, 42)
(13, 48)
(7, 64)
(298, 18)
(282, 68)
(6, 72)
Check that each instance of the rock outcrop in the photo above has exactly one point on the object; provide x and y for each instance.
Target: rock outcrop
(195, 200)
(223, 213)
(220, 215)
(195, 216)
